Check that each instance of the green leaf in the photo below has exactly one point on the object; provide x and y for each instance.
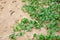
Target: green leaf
(17, 28)
(24, 20)
(12, 36)
(20, 34)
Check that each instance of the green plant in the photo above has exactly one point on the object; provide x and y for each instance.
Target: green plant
(12, 36)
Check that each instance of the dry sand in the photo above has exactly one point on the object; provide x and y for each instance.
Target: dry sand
(10, 13)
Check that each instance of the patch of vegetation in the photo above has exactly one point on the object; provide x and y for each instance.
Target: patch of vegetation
(14, 35)
(47, 37)
(49, 14)
(41, 12)
(26, 24)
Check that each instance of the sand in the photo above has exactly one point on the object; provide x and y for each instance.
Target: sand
(10, 13)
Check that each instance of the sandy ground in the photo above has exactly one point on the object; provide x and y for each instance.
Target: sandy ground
(10, 13)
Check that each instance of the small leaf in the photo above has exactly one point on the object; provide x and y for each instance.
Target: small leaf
(20, 34)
